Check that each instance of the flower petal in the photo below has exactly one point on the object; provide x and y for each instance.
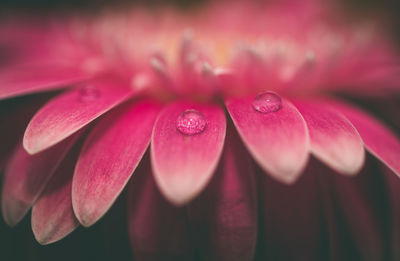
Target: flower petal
(184, 164)
(333, 139)
(224, 217)
(110, 155)
(157, 229)
(70, 111)
(377, 138)
(26, 176)
(278, 141)
(21, 80)
(52, 215)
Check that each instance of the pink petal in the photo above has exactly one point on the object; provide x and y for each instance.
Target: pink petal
(333, 139)
(377, 138)
(26, 176)
(52, 216)
(224, 217)
(278, 140)
(184, 164)
(70, 111)
(21, 80)
(157, 229)
(110, 155)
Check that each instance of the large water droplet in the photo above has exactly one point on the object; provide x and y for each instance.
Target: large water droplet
(191, 122)
(267, 102)
(88, 93)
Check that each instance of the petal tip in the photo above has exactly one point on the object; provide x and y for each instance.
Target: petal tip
(288, 178)
(14, 211)
(45, 237)
(42, 238)
(176, 193)
(85, 215)
(285, 173)
(28, 148)
(353, 168)
(28, 144)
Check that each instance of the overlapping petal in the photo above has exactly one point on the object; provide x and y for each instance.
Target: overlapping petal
(157, 229)
(278, 140)
(353, 208)
(26, 79)
(333, 139)
(70, 111)
(223, 219)
(14, 116)
(52, 215)
(111, 153)
(26, 176)
(378, 139)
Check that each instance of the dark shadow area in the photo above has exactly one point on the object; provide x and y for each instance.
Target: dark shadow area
(106, 240)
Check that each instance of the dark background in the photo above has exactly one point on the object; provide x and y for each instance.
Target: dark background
(388, 10)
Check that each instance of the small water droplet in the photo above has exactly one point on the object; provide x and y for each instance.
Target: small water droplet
(88, 93)
(267, 102)
(191, 122)
(310, 56)
(157, 64)
(206, 69)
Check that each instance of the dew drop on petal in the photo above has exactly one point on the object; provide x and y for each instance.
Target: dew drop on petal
(88, 93)
(191, 122)
(267, 102)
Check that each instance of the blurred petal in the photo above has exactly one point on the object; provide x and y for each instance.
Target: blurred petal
(110, 155)
(378, 139)
(278, 140)
(291, 218)
(70, 111)
(14, 117)
(183, 164)
(26, 176)
(355, 210)
(52, 215)
(333, 139)
(22, 80)
(157, 229)
(224, 217)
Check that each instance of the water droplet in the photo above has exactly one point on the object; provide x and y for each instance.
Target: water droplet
(191, 122)
(140, 82)
(157, 65)
(88, 93)
(310, 56)
(267, 102)
(206, 69)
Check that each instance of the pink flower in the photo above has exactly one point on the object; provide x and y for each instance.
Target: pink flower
(231, 100)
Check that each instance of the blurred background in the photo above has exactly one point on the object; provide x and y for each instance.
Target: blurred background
(386, 10)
